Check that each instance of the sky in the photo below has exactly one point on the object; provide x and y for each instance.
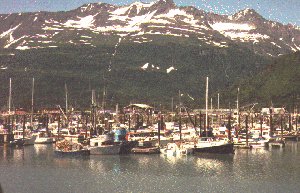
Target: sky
(283, 11)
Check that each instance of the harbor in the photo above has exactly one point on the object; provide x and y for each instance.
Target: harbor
(156, 96)
(36, 169)
(139, 149)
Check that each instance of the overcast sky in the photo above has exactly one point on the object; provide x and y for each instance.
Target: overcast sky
(284, 11)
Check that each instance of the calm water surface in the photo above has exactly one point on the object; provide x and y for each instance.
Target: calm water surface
(36, 169)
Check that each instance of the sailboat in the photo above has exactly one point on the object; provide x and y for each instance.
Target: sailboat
(210, 144)
(23, 136)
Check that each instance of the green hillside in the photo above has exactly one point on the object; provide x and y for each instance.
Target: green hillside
(84, 68)
(278, 83)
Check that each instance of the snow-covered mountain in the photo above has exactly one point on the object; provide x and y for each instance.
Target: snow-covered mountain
(95, 23)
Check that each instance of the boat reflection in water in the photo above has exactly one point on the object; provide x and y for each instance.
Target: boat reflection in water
(40, 148)
(36, 169)
(12, 154)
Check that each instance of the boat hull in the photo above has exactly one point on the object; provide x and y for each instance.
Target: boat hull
(220, 149)
(291, 137)
(44, 140)
(105, 150)
(83, 152)
(172, 149)
(127, 146)
(145, 150)
(25, 141)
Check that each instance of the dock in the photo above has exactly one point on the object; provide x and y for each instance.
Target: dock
(276, 144)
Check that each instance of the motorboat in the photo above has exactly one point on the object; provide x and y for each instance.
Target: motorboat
(43, 138)
(258, 142)
(177, 149)
(24, 137)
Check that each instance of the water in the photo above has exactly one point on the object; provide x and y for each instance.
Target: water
(36, 169)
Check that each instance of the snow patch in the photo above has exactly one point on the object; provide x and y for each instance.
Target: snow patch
(133, 24)
(47, 28)
(145, 66)
(297, 47)
(86, 37)
(139, 6)
(174, 12)
(221, 45)
(275, 44)
(245, 36)
(83, 22)
(12, 41)
(22, 47)
(232, 26)
(192, 98)
(170, 69)
(10, 31)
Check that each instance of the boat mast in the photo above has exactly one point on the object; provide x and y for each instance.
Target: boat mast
(180, 126)
(211, 108)
(66, 91)
(32, 93)
(206, 107)
(9, 96)
(94, 105)
(179, 95)
(24, 126)
(237, 106)
(218, 101)
(103, 100)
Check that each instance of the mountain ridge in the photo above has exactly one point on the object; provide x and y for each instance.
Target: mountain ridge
(44, 29)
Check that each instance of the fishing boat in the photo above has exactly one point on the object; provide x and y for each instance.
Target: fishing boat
(104, 145)
(211, 145)
(68, 134)
(68, 148)
(145, 147)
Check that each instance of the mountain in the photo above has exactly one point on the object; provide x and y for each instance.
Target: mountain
(142, 52)
(93, 24)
